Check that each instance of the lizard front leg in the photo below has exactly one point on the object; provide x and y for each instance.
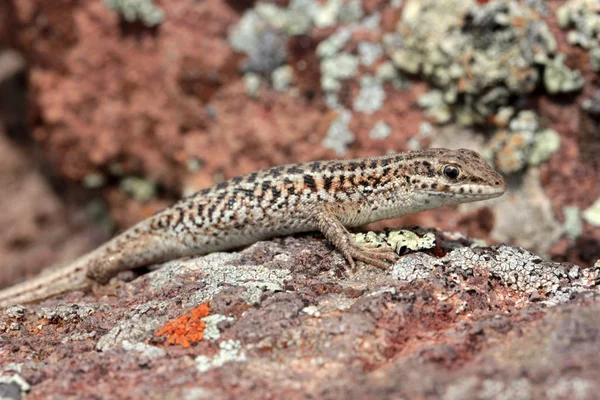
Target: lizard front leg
(326, 220)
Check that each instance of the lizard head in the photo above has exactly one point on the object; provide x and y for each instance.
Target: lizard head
(443, 177)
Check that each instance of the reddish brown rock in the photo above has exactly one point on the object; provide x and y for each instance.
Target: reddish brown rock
(285, 323)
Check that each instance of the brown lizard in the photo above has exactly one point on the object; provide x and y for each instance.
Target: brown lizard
(326, 196)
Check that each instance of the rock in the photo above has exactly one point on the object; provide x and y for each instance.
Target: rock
(286, 320)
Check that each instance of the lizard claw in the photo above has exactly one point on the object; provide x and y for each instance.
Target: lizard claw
(380, 257)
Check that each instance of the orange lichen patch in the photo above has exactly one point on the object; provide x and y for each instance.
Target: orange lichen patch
(188, 328)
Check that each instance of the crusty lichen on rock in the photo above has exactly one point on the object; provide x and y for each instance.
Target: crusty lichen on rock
(583, 18)
(138, 10)
(523, 143)
(478, 55)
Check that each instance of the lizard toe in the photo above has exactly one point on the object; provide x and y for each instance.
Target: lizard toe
(379, 257)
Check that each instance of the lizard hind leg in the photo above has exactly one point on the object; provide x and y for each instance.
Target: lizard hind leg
(333, 229)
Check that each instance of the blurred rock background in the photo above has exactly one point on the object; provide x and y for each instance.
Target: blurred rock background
(110, 110)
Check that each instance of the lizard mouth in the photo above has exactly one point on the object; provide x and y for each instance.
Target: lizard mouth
(475, 192)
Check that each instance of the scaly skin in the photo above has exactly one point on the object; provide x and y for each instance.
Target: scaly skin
(326, 196)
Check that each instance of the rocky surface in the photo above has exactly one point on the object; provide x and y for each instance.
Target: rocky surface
(133, 104)
(285, 321)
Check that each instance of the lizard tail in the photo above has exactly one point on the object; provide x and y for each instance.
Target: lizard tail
(133, 248)
(47, 284)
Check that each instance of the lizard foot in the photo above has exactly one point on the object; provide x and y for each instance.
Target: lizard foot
(380, 257)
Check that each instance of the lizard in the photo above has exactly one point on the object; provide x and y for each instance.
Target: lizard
(327, 196)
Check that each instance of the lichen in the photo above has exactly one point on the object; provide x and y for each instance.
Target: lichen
(515, 268)
(263, 31)
(141, 189)
(68, 312)
(584, 19)
(435, 106)
(211, 329)
(187, 329)
(337, 68)
(478, 55)
(339, 135)
(94, 181)
(380, 131)
(252, 82)
(545, 142)
(558, 78)
(15, 312)
(261, 34)
(137, 10)
(229, 351)
(523, 143)
(371, 95)
(386, 72)
(282, 77)
(334, 43)
(399, 240)
(145, 350)
(372, 238)
(404, 240)
(369, 52)
(413, 267)
(572, 225)
(592, 214)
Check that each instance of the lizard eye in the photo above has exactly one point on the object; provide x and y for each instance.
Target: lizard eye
(451, 172)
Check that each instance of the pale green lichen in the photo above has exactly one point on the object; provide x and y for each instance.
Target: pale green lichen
(479, 56)
(595, 59)
(334, 43)
(334, 11)
(328, 13)
(545, 143)
(311, 310)
(435, 106)
(282, 78)
(252, 82)
(137, 10)
(211, 329)
(141, 189)
(369, 52)
(263, 31)
(94, 180)
(261, 34)
(194, 164)
(524, 143)
(592, 214)
(337, 68)
(377, 239)
(380, 131)
(404, 240)
(572, 225)
(338, 135)
(584, 19)
(400, 241)
(371, 95)
(558, 78)
(145, 350)
(386, 72)
(229, 351)
(351, 11)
